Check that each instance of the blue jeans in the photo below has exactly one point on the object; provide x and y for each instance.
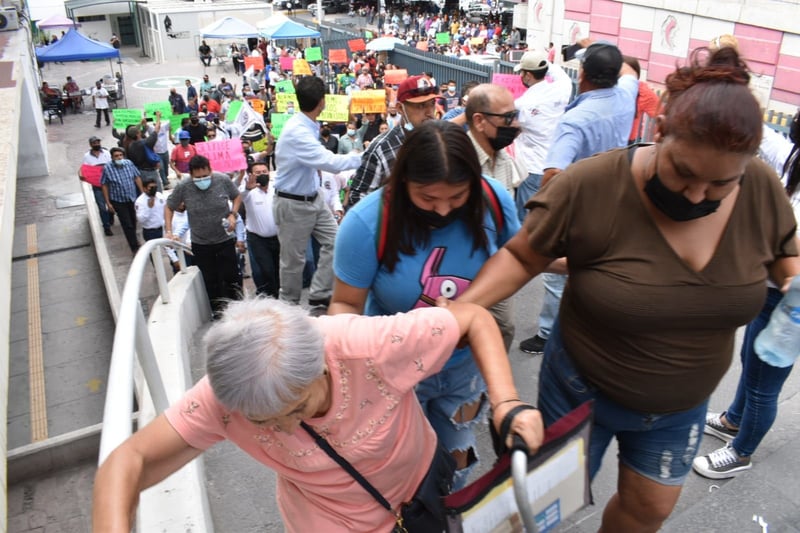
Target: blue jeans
(105, 216)
(163, 170)
(525, 190)
(265, 254)
(553, 289)
(658, 446)
(755, 405)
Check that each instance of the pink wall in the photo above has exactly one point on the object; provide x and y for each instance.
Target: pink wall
(577, 15)
(581, 6)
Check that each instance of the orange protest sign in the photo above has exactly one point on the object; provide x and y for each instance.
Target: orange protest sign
(337, 56)
(369, 101)
(256, 62)
(258, 105)
(422, 45)
(356, 45)
(300, 67)
(395, 76)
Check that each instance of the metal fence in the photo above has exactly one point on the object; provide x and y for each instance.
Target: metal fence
(442, 67)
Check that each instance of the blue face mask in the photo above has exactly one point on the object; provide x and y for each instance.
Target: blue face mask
(203, 183)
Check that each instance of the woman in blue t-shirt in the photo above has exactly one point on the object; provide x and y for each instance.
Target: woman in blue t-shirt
(424, 235)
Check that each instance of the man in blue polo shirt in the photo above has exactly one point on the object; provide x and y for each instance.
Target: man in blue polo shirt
(599, 119)
(298, 210)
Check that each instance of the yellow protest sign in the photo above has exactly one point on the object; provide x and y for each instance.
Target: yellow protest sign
(281, 99)
(335, 109)
(300, 68)
(369, 101)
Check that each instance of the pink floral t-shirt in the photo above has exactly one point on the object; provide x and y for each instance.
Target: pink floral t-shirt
(374, 422)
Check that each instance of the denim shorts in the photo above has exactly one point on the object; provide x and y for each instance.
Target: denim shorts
(441, 396)
(659, 446)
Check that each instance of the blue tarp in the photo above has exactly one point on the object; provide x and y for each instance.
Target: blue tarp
(74, 46)
(288, 30)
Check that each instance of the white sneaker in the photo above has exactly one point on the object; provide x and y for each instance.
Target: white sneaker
(721, 464)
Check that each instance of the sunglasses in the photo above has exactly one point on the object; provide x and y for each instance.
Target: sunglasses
(508, 118)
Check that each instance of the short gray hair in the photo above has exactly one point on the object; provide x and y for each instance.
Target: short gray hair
(262, 354)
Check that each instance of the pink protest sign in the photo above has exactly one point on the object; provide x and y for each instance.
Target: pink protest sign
(511, 82)
(287, 62)
(92, 174)
(224, 156)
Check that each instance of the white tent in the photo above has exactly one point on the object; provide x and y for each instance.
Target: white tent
(270, 22)
(228, 28)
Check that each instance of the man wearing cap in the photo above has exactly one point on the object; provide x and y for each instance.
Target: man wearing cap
(416, 103)
(599, 119)
(548, 90)
(299, 211)
(197, 130)
(182, 154)
(91, 172)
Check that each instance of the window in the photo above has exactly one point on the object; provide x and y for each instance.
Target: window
(92, 18)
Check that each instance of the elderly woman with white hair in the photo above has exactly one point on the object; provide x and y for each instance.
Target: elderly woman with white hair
(349, 379)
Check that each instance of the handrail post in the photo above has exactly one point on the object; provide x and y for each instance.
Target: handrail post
(161, 274)
(147, 359)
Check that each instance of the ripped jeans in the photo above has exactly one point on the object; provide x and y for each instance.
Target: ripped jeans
(442, 396)
(659, 446)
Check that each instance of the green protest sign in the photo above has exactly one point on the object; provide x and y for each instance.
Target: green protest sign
(368, 34)
(175, 122)
(278, 121)
(151, 108)
(284, 86)
(233, 110)
(443, 38)
(313, 54)
(126, 117)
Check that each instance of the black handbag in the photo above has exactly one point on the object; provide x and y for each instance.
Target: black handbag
(425, 513)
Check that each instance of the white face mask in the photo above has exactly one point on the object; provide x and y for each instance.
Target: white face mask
(351, 133)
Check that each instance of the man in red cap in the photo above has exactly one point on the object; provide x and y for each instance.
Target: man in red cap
(416, 103)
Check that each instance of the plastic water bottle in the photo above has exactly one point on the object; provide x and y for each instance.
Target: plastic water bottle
(779, 343)
(226, 225)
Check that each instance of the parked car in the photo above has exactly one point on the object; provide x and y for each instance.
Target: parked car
(330, 6)
(479, 10)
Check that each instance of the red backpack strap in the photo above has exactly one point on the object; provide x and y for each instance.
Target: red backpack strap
(383, 226)
(493, 202)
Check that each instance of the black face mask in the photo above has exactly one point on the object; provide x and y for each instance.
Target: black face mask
(95, 148)
(325, 132)
(195, 121)
(434, 219)
(151, 191)
(675, 205)
(505, 136)
(262, 179)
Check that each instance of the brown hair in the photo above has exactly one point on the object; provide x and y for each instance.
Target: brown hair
(708, 102)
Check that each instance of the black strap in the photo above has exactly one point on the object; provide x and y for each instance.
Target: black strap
(505, 425)
(341, 461)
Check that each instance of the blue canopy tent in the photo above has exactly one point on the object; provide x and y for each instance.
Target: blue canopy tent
(288, 29)
(227, 28)
(74, 46)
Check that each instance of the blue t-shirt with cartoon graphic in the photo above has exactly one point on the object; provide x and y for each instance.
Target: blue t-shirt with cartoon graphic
(445, 267)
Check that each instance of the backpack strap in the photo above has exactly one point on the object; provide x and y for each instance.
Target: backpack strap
(489, 197)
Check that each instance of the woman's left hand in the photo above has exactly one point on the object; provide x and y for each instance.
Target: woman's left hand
(527, 424)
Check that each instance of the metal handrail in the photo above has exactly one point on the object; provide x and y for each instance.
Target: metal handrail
(132, 337)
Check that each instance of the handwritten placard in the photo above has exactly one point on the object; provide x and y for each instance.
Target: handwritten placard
(151, 108)
(337, 57)
(443, 38)
(224, 156)
(287, 62)
(313, 53)
(422, 45)
(126, 117)
(92, 174)
(301, 68)
(257, 62)
(356, 45)
(278, 121)
(282, 100)
(233, 110)
(394, 76)
(336, 108)
(284, 86)
(512, 82)
(368, 101)
(258, 105)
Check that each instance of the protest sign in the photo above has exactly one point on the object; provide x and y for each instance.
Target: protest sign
(356, 45)
(477, 41)
(301, 68)
(278, 121)
(151, 108)
(287, 62)
(369, 101)
(92, 174)
(258, 105)
(337, 57)
(175, 122)
(282, 99)
(443, 38)
(313, 53)
(422, 45)
(126, 117)
(394, 76)
(224, 156)
(284, 86)
(336, 109)
(257, 62)
(512, 82)
(368, 34)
